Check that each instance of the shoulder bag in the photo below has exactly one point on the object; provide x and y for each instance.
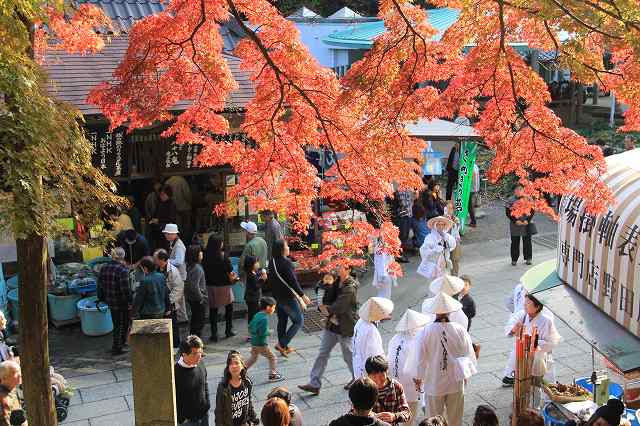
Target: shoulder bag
(301, 302)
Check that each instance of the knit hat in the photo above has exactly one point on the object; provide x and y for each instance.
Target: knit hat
(447, 284)
(431, 223)
(375, 309)
(443, 304)
(411, 320)
(610, 412)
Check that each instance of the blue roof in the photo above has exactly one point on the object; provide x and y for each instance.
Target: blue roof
(361, 36)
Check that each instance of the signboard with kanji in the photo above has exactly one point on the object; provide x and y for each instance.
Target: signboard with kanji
(109, 150)
(598, 254)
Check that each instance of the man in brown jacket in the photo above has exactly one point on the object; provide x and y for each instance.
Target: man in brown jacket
(345, 310)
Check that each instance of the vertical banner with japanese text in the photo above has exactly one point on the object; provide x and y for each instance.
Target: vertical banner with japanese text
(465, 177)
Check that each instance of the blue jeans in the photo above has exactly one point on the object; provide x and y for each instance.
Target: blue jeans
(288, 309)
(204, 421)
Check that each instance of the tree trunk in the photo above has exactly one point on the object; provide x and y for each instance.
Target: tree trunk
(34, 333)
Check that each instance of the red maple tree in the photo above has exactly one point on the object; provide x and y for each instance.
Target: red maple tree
(177, 55)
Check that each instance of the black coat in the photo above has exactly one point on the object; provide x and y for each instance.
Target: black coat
(287, 273)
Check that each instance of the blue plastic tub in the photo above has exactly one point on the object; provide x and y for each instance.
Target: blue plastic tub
(13, 282)
(84, 286)
(63, 308)
(550, 420)
(12, 295)
(95, 319)
(615, 390)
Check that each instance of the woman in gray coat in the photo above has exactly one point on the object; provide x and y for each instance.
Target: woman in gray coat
(520, 227)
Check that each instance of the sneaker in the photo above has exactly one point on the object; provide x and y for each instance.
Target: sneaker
(528, 262)
(230, 333)
(118, 351)
(348, 385)
(276, 377)
(311, 389)
(514, 263)
(507, 381)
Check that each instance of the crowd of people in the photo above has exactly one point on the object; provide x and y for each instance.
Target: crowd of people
(418, 378)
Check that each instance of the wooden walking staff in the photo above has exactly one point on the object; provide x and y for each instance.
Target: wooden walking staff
(526, 346)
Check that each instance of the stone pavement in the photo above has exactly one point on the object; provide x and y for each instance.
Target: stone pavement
(104, 389)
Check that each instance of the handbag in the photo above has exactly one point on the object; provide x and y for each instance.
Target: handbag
(300, 300)
(531, 228)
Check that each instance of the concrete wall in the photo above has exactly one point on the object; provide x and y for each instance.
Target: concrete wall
(312, 33)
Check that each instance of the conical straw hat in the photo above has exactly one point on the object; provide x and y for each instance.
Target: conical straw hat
(411, 320)
(375, 309)
(431, 223)
(443, 304)
(447, 284)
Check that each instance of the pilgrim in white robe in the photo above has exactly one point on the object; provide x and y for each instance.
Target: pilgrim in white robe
(382, 280)
(434, 253)
(443, 358)
(457, 316)
(367, 342)
(548, 339)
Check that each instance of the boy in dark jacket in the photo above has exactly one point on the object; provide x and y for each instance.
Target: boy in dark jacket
(192, 390)
(259, 330)
(255, 279)
(363, 395)
(468, 304)
(329, 287)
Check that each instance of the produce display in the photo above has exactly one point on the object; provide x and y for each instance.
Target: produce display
(81, 274)
(561, 392)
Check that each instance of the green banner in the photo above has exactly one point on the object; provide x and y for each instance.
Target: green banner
(465, 178)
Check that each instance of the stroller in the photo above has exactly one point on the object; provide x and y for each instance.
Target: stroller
(61, 395)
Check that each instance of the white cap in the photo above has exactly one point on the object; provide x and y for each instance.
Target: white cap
(249, 226)
(448, 284)
(443, 304)
(170, 228)
(375, 309)
(411, 320)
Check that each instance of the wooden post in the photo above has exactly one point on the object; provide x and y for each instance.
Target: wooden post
(154, 393)
(34, 332)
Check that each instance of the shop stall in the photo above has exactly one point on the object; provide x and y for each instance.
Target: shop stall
(594, 286)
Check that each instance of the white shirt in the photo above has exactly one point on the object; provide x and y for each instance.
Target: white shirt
(399, 348)
(433, 261)
(429, 361)
(366, 342)
(176, 257)
(475, 179)
(381, 262)
(458, 316)
(548, 336)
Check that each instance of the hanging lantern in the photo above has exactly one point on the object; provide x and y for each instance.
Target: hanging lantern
(432, 161)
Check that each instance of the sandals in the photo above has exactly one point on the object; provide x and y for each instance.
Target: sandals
(283, 351)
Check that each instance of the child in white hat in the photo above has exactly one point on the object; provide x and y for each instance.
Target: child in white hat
(367, 341)
(399, 347)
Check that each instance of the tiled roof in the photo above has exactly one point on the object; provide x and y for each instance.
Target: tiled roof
(361, 36)
(124, 13)
(71, 77)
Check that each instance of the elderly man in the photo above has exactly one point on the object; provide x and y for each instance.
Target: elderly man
(256, 246)
(10, 377)
(115, 291)
(175, 284)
